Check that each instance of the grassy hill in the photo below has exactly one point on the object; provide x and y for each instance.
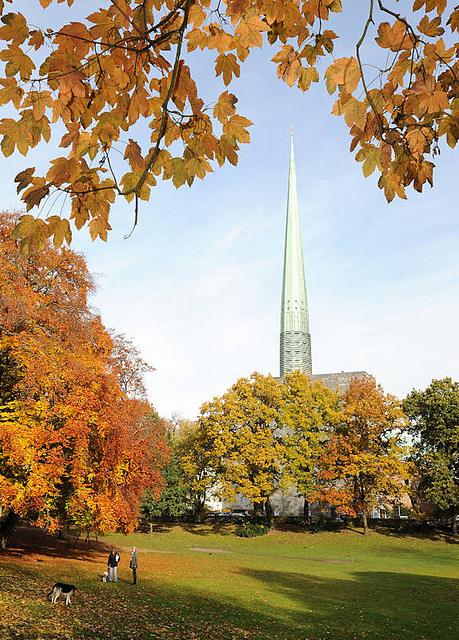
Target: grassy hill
(200, 582)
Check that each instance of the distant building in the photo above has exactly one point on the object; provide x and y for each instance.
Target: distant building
(339, 381)
(295, 337)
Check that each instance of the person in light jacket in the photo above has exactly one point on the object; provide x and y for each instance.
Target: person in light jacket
(133, 564)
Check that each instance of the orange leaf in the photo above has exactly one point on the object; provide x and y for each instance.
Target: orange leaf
(249, 31)
(227, 65)
(225, 106)
(344, 72)
(394, 37)
(15, 28)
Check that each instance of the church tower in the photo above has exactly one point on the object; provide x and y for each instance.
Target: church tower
(295, 339)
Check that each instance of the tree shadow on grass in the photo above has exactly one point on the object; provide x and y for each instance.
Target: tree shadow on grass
(27, 541)
(421, 534)
(210, 528)
(216, 527)
(377, 605)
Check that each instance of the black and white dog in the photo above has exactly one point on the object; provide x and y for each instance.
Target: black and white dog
(60, 588)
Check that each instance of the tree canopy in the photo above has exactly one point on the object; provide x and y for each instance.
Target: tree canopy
(95, 82)
(174, 499)
(241, 434)
(75, 448)
(365, 463)
(265, 434)
(308, 415)
(435, 423)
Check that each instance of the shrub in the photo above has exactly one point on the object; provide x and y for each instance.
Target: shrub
(251, 530)
(326, 524)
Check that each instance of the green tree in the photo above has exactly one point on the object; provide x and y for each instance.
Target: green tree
(172, 503)
(434, 413)
(309, 410)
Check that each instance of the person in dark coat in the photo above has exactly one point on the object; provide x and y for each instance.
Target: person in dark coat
(113, 560)
(133, 564)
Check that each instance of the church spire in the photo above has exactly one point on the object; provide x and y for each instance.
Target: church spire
(295, 339)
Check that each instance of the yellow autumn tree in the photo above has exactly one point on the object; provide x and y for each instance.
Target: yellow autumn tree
(195, 463)
(308, 415)
(240, 431)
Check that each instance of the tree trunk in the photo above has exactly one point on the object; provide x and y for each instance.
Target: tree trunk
(7, 527)
(454, 523)
(306, 519)
(365, 523)
(269, 513)
(151, 527)
(199, 505)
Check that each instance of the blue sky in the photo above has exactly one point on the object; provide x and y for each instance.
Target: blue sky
(197, 286)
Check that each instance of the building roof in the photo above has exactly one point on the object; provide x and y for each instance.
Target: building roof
(339, 381)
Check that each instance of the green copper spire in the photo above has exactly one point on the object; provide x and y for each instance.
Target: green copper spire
(295, 339)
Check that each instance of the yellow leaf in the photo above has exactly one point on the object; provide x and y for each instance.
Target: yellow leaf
(17, 62)
(133, 154)
(13, 137)
(11, 92)
(196, 166)
(31, 232)
(370, 157)
(179, 173)
(416, 138)
(225, 106)
(307, 76)
(228, 151)
(353, 110)
(196, 39)
(128, 182)
(227, 65)
(98, 228)
(235, 128)
(24, 178)
(289, 65)
(39, 101)
(59, 229)
(431, 28)
(197, 15)
(15, 28)
(394, 37)
(63, 170)
(344, 72)
(249, 31)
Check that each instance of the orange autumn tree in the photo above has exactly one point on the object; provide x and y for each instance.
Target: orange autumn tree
(115, 90)
(74, 447)
(364, 464)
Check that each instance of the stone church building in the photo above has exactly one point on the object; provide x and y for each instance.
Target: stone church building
(295, 337)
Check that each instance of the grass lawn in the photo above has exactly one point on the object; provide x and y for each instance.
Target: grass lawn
(200, 582)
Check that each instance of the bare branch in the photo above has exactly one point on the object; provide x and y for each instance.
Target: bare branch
(369, 21)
